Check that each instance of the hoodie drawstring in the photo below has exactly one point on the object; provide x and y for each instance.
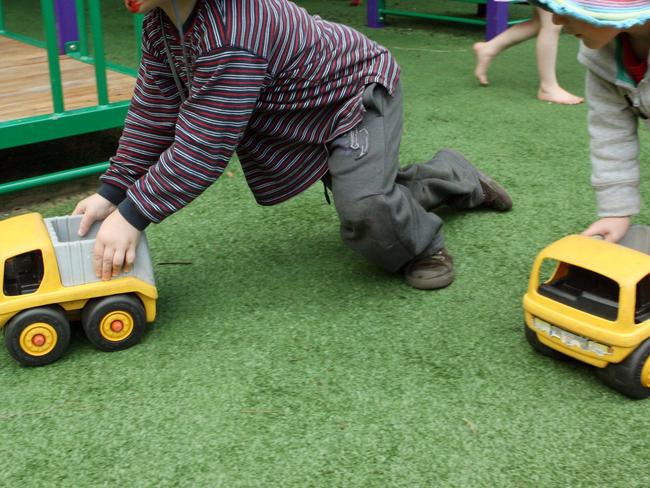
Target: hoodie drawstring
(170, 58)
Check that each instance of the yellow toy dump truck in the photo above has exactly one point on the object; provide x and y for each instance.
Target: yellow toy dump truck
(590, 300)
(47, 281)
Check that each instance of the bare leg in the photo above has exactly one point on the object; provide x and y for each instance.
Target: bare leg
(547, 44)
(486, 51)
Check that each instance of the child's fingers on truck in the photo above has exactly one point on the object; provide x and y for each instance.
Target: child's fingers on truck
(93, 208)
(98, 254)
(130, 260)
(118, 261)
(87, 219)
(107, 263)
(85, 224)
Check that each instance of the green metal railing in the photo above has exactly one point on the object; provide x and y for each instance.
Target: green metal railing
(61, 122)
(56, 83)
(428, 16)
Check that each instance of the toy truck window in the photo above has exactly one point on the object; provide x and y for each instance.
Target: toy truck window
(584, 290)
(23, 273)
(642, 306)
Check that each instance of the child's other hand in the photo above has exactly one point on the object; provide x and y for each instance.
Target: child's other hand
(611, 228)
(115, 246)
(93, 208)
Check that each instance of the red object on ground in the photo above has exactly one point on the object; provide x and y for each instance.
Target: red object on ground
(355, 2)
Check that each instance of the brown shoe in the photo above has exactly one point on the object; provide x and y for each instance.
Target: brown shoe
(430, 272)
(496, 196)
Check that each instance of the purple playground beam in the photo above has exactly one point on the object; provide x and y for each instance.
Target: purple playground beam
(372, 9)
(66, 22)
(496, 18)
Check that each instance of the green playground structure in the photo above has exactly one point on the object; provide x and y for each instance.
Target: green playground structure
(72, 28)
(493, 14)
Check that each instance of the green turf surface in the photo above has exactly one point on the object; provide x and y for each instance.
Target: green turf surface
(281, 359)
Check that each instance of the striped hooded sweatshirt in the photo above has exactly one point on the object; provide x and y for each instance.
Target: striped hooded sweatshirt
(260, 77)
(616, 105)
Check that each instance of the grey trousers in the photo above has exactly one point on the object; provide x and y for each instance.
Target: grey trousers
(385, 210)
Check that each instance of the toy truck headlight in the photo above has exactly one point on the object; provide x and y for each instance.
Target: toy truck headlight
(542, 325)
(598, 348)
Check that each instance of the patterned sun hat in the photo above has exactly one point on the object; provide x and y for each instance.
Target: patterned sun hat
(621, 14)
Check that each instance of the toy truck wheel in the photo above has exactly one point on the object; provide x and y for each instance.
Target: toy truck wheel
(38, 336)
(114, 323)
(536, 344)
(630, 377)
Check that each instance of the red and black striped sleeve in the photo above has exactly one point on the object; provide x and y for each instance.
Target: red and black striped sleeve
(225, 88)
(148, 128)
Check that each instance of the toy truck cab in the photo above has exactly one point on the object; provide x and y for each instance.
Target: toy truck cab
(595, 306)
(47, 280)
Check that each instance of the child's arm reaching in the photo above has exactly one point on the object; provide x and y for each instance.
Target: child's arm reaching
(208, 127)
(614, 158)
(148, 131)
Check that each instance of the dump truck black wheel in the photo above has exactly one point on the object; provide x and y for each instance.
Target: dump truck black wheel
(630, 377)
(38, 336)
(536, 344)
(114, 323)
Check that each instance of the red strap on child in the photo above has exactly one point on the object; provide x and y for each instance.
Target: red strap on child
(634, 66)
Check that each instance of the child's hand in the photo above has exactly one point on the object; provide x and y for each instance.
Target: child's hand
(115, 246)
(93, 208)
(611, 228)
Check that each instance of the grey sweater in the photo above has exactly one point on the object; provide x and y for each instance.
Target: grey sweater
(615, 107)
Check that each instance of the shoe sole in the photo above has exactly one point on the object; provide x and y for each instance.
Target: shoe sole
(430, 284)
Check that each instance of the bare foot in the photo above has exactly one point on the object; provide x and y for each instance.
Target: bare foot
(558, 95)
(483, 59)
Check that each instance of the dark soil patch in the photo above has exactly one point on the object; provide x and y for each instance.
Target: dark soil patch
(48, 157)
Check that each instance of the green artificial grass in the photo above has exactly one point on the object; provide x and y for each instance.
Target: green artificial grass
(279, 358)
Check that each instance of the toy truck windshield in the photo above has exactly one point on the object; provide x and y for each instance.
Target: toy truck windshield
(593, 293)
(642, 308)
(23, 273)
(583, 289)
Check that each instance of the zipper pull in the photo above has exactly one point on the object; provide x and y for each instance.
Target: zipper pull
(635, 105)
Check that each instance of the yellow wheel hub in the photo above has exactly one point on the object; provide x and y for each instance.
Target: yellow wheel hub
(38, 339)
(116, 326)
(645, 373)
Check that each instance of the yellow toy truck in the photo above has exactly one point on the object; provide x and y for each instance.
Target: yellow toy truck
(47, 281)
(590, 300)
